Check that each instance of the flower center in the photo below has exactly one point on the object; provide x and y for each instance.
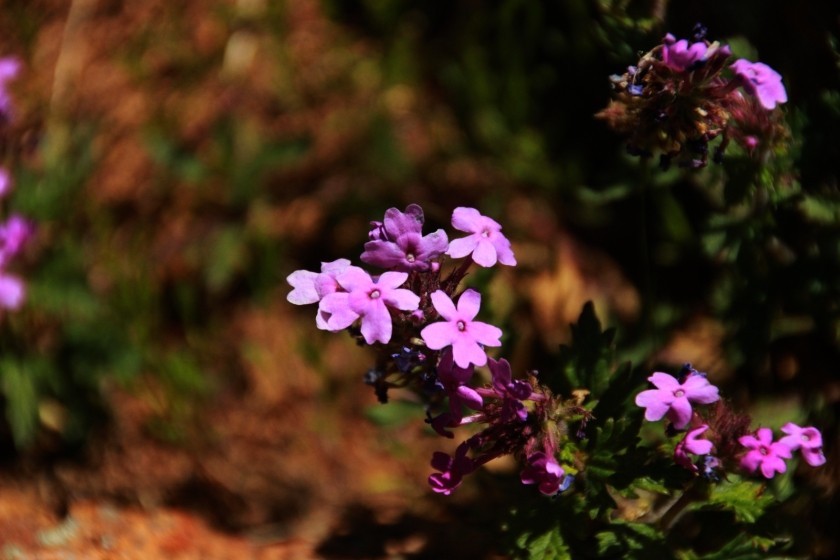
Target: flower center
(763, 450)
(462, 326)
(410, 257)
(485, 233)
(679, 393)
(805, 437)
(374, 294)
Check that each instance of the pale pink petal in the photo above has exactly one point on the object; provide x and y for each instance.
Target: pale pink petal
(765, 436)
(338, 308)
(813, 457)
(751, 460)
(505, 253)
(699, 390)
(485, 334)
(664, 381)
(444, 306)
(376, 324)
(354, 278)
(438, 335)
(770, 465)
(680, 413)
(405, 300)
(466, 351)
(12, 292)
(392, 279)
(469, 304)
(466, 219)
(749, 441)
(484, 254)
(462, 247)
(304, 292)
(470, 397)
(652, 401)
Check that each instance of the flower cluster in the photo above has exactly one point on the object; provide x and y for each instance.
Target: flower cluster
(720, 437)
(683, 94)
(15, 231)
(427, 335)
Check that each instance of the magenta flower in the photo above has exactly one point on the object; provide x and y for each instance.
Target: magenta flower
(764, 453)
(14, 234)
(398, 243)
(544, 471)
(807, 440)
(692, 443)
(486, 243)
(673, 399)
(454, 380)
(5, 182)
(452, 470)
(512, 392)
(761, 81)
(459, 330)
(679, 55)
(369, 300)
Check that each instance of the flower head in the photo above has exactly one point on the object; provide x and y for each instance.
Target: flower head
(692, 443)
(679, 55)
(764, 453)
(544, 471)
(807, 440)
(452, 470)
(397, 243)
(459, 330)
(761, 81)
(486, 243)
(369, 300)
(673, 399)
(312, 287)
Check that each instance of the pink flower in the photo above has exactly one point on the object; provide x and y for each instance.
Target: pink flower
(5, 182)
(761, 81)
(452, 470)
(312, 287)
(398, 242)
(807, 440)
(674, 399)
(764, 453)
(544, 471)
(12, 291)
(692, 443)
(486, 243)
(459, 330)
(369, 300)
(679, 56)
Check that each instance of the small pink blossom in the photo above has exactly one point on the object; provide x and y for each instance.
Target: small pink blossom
(761, 81)
(459, 330)
(694, 444)
(5, 182)
(12, 291)
(369, 300)
(673, 399)
(807, 440)
(486, 243)
(679, 55)
(764, 453)
(312, 287)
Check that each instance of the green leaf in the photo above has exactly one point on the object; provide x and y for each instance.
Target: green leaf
(547, 546)
(746, 499)
(586, 362)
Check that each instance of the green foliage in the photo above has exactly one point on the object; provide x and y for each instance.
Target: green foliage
(745, 498)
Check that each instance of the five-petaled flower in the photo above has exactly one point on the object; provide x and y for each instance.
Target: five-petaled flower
(764, 453)
(673, 399)
(369, 300)
(459, 330)
(761, 81)
(486, 243)
(398, 243)
(807, 440)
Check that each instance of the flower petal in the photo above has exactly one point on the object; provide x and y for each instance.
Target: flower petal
(444, 306)
(438, 335)
(468, 304)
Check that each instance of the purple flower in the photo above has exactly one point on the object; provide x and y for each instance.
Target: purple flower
(452, 470)
(761, 81)
(512, 392)
(459, 330)
(12, 291)
(807, 440)
(454, 380)
(13, 236)
(679, 55)
(486, 242)
(398, 243)
(369, 300)
(692, 443)
(764, 453)
(544, 471)
(674, 399)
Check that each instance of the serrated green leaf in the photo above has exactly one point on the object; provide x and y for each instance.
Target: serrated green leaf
(746, 499)
(585, 363)
(547, 546)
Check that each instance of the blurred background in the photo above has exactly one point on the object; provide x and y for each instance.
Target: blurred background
(180, 159)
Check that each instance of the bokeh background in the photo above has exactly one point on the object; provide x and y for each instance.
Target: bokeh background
(180, 159)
